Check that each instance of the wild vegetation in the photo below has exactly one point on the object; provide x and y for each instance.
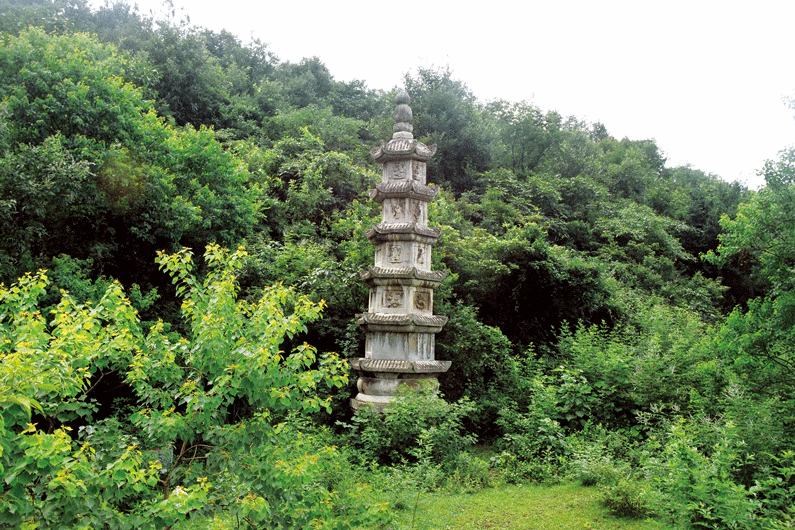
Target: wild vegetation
(613, 320)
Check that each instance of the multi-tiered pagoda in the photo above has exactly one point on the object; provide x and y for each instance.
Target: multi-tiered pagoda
(400, 324)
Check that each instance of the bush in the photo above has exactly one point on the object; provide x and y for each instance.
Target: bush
(471, 474)
(214, 427)
(699, 484)
(776, 489)
(403, 484)
(601, 457)
(418, 424)
(545, 467)
(629, 498)
(529, 435)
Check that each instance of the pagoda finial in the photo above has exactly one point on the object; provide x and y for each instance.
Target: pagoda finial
(403, 116)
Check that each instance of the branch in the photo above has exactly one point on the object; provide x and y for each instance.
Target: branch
(101, 377)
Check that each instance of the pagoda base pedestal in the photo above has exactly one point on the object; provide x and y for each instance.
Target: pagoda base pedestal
(379, 379)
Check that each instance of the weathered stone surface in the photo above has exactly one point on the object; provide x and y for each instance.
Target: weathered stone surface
(409, 231)
(403, 254)
(402, 149)
(411, 190)
(400, 325)
(408, 275)
(399, 366)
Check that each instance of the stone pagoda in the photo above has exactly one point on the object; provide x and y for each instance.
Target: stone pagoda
(400, 325)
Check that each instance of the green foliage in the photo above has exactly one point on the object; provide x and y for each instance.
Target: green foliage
(758, 339)
(212, 396)
(192, 87)
(88, 169)
(481, 357)
(594, 461)
(763, 224)
(660, 359)
(447, 115)
(50, 478)
(215, 425)
(575, 295)
(51, 15)
(337, 132)
(629, 168)
(602, 387)
(700, 488)
(629, 498)
(526, 134)
(761, 232)
(525, 286)
(305, 184)
(43, 189)
(471, 473)
(609, 460)
(529, 435)
(777, 488)
(417, 425)
(70, 85)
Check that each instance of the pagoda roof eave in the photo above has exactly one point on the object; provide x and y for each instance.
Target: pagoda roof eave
(402, 149)
(399, 190)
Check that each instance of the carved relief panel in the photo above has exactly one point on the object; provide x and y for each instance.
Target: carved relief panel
(392, 298)
(395, 252)
(399, 254)
(423, 300)
(422, 257)
(417, 212)
(397, 171)
(395, 210)
(418, 171)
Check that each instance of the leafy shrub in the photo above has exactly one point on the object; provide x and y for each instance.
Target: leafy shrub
(546, 467)
(601, 387)
(529, 435)
(596, 468)
(471, 474)
(629, 497)
(603, 457)
(417, 424)
(699, 485)
(403, 484)
(776, 489)
(214, 427)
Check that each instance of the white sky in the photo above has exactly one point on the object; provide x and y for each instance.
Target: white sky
(705, 78)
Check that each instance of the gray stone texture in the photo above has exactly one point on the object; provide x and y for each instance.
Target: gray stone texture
(399, 324)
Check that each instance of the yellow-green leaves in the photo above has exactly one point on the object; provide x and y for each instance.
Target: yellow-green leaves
(202, 402)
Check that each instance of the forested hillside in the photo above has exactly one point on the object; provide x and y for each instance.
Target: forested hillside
(611, 318)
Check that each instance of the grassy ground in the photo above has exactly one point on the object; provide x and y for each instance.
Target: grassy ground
(504, 507)
(527, 507)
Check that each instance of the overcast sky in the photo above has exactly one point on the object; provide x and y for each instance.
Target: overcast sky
(706, 79)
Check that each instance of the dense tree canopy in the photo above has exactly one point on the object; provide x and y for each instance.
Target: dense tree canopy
(594, 290)
(89, 169)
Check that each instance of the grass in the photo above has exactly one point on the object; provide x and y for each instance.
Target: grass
(566, 506)
(526, 507)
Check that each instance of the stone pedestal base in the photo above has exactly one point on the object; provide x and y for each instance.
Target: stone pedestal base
(379, 379)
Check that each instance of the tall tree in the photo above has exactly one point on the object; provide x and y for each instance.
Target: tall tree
(51, 15)
(760, 339)
(526, 134)
(103, 177)
(446, 113)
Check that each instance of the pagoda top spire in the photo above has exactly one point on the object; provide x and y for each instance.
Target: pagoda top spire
(402, 146)
(403, 116)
